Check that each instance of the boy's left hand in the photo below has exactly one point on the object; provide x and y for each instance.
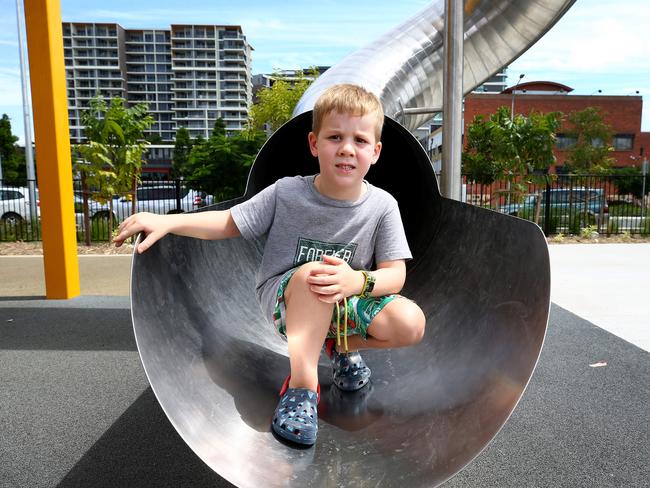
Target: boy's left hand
(334, 280)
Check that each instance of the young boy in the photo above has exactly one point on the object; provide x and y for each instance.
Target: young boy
(323, 234)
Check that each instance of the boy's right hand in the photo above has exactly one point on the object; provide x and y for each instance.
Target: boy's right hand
(154, 227)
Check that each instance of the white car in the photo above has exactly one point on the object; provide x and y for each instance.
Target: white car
(162, 198)
(96, 210)
(15, 205)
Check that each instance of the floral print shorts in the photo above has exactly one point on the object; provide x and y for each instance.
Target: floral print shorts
(361, 311)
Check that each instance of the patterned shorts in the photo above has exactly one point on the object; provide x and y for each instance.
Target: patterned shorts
(361, 311)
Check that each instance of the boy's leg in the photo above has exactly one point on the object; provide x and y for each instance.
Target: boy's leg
(400, 323)
(307, 322)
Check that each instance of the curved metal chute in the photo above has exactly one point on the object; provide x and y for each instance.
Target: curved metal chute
(215, 364)
(404, 66)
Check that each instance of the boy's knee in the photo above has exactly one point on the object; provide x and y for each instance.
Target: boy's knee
(299, 278)
(413, 323)
(298, 281)
(419, 324)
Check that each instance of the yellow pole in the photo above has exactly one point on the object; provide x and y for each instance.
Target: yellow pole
(52, 136)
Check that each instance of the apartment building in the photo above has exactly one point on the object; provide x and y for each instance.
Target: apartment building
(495, 83)
(190, 75)
(266, 80)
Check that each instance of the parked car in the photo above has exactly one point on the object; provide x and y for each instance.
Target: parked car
(162, 198)
(586, 206)
(96, 210)
(15, 205)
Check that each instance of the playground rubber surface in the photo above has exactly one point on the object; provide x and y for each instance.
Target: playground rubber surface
(77, 409)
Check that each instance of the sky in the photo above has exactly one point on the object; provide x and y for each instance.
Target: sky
(597, 45)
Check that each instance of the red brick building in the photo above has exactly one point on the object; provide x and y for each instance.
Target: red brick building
(622, 113)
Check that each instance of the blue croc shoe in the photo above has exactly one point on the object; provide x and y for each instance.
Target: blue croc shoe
(296, 416)
(349, 370)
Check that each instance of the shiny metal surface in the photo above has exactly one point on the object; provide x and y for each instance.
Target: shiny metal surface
(452, 101)
(215, 364)
(482, 279)
(404, 67)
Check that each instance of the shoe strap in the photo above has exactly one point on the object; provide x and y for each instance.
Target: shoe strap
(285, 387)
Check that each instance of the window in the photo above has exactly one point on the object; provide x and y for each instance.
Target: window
(597, 142)
(10, 195)
(623, 142)
(563, 142)
(161, 193)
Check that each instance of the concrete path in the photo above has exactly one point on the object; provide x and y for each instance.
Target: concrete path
(106, 275)
(606, 284)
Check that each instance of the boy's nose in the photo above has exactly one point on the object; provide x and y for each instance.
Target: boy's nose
(346, 148)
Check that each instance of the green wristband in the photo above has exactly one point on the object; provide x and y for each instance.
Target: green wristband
(369, 281)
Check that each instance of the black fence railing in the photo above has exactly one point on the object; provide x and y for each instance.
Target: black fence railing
(20, 212)
(565, 204)
(570, 204)
(20, 220)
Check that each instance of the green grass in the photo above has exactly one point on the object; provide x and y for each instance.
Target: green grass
(99, 231)
(21, 231)
(25, 231)
(622, 209)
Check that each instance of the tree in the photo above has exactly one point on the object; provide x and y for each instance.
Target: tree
(219, 128)
(154, 139)
(182, 148)
(14, 171)
(220, 165)
(275, 104)
(519, 150)
(590, 153)
(111, 160)
(629, 180)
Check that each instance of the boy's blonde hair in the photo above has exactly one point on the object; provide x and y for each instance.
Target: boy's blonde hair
(348, 99)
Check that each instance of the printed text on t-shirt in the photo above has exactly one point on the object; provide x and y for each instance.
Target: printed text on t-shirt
(312, 250)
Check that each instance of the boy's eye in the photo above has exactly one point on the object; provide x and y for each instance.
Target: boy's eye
(334, 137)
(361, 140)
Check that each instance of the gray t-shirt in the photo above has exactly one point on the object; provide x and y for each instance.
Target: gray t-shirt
(300, 225)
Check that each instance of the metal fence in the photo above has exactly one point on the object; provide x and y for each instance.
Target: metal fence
(564, 204)
(570, 204)
(20, 219)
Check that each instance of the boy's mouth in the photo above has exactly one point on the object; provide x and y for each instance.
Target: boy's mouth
(345, 166)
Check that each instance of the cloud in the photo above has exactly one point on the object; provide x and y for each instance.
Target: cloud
(10, 92)
(601, 38)
(13, 72)
(321, 32)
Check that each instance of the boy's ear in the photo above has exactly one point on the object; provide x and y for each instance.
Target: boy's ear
(312, 144)
(377, 152)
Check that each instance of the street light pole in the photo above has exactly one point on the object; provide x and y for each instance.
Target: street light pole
(29, 157)
(452, 101)
(644, 172)
(512, 106)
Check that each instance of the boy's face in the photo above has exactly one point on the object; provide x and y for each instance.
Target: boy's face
(346, 148)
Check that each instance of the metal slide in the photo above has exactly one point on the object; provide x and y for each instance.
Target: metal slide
(482, 278)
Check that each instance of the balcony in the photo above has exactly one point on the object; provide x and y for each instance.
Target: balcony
(231, 58)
